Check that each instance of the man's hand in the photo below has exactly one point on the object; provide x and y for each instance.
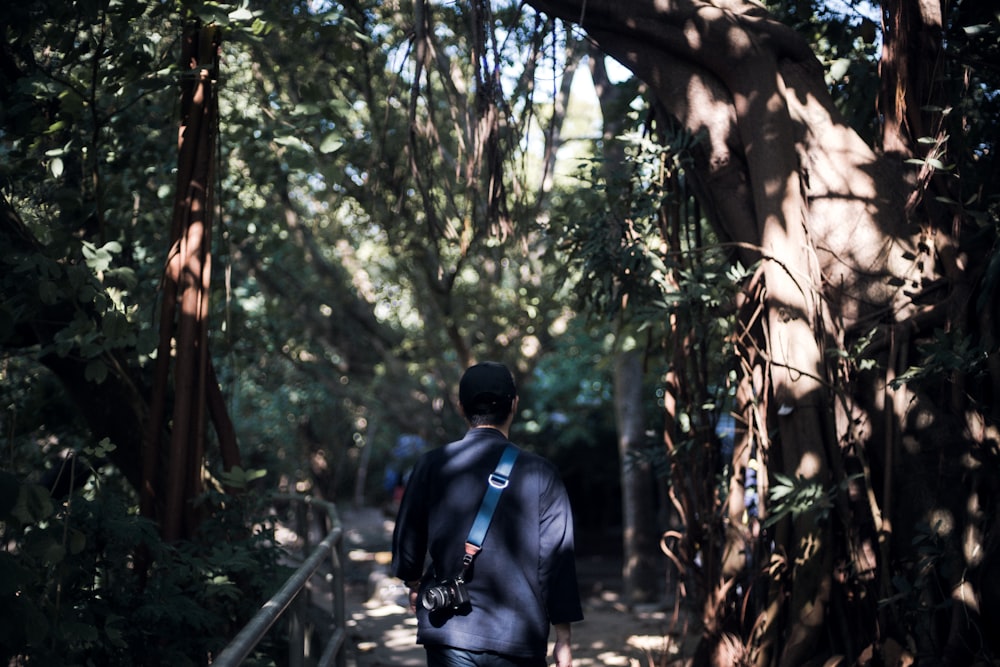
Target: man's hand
(414, 586)
(562, 651)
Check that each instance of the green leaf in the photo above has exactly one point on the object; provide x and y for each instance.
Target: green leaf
(783, 479)
(117, 330)
(937, 164)
(238, 478)
(33, 504)
(77, 541)
(976, 30)
(48, 292)
(241, 14)
(331, 143)
(10, 487)
(291, 142)
(123, 276)
(99, 259)
(101, 449)
(838, 68)
(96, 371)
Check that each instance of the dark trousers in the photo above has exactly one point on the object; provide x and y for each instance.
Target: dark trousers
(447, 656)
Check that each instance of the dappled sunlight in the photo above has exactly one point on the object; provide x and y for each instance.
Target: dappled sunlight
(808, 548)
(285, 535)
(383, 631)
(966, 596)
(941, 521)
(610, 635)
(972, 546)
(635, 649)
(859, 240)
(809, 466)
(398, 637)
(378, 610)
(385, 634)
(609, 659)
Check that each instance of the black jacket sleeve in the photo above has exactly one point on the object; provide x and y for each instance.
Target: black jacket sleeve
(409, 541)
(557, 560)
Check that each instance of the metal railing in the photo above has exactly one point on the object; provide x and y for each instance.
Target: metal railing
(300, 640)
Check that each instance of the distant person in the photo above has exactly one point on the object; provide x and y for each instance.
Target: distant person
(408, 449)
(494, 607)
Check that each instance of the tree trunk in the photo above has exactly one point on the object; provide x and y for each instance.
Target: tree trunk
(172, 479)
(787, 183)
(640, 572)
(640, 534)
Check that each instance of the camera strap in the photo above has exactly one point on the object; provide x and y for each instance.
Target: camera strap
(498, 481)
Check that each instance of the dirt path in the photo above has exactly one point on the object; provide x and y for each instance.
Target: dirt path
(382, 632)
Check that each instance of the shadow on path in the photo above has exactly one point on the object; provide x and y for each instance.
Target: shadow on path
(382, 632)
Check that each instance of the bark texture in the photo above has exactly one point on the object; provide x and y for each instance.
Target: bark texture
(832, 223)
(172, 479)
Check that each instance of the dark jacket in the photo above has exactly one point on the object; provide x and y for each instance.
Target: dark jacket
(523, 580)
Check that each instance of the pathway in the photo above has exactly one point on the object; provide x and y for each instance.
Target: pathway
(382, 632)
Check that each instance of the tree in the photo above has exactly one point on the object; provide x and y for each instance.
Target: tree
(318, 166)
(101, 373)
(854, 253)
(401, 199)
(304, 184)
(64, 128)
(380, 199)
(639, 519)
(172, 483)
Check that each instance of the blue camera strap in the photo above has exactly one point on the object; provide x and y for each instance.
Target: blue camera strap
(498, 481)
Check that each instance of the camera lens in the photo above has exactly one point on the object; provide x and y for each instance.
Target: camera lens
(435, 597)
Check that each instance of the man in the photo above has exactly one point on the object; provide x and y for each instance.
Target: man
(524, 577)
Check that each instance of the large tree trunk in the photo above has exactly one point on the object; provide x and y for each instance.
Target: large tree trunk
(788, 183)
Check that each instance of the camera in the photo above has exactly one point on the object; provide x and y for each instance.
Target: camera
(447, 594)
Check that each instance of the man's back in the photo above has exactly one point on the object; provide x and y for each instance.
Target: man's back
(524, 578)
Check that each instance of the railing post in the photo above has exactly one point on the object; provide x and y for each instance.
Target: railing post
(339, 608)
(296, 634)
(297, 622)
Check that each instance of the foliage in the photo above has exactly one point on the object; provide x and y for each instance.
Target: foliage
(563, 408)
(378, 229)
(314, 198)
(334, 206)
(791, 497)
(638, 270)
(347, 294)
(564, 414)
(76, 591)
(944, 355)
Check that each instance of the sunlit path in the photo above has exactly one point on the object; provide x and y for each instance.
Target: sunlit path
(382, 632)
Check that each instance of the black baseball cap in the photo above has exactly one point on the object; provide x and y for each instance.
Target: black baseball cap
(486, 379)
